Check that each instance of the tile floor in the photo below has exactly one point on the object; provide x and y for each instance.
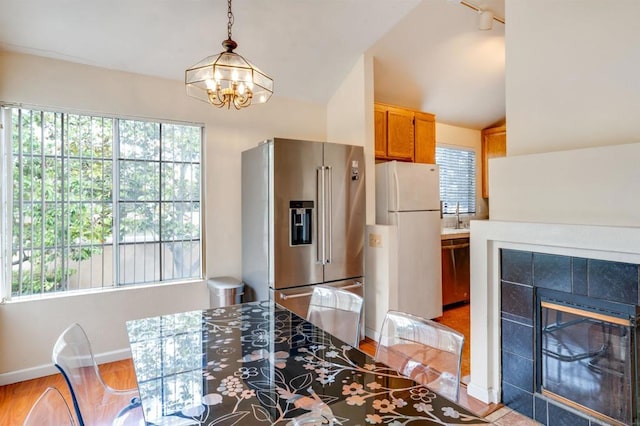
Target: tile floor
(505, 416)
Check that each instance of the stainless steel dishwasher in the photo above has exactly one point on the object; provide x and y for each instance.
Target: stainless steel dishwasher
(455, 271)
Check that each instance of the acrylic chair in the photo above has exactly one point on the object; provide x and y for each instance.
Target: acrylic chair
(336, 311)
(95, 402)
(424, 350)
(50, 409)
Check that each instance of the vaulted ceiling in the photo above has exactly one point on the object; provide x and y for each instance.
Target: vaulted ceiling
(428, 54)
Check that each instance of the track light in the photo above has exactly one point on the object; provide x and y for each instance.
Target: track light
(485, 20)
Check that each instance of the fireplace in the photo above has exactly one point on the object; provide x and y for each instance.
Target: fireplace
(569, 338)
(585, 355)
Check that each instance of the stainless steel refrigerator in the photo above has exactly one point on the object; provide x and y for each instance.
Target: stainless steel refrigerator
(408, 196)
(303, 220)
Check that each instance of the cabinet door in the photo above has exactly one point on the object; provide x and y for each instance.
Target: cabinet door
(425, 138)
(380, 119)
(494, 144)
(400, 144)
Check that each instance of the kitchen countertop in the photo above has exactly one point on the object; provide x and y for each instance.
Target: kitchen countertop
(450, 233)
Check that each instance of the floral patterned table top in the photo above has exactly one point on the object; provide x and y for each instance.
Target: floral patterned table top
(258, 363)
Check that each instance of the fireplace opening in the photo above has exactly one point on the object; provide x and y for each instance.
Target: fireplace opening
(587, 355)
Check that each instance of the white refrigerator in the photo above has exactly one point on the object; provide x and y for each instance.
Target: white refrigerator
(408, 197)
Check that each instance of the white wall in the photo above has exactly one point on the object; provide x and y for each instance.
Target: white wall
(572, 85)
(589, 186)
(350, 120)
(572, 98)
(448, 135)
(28, 329)
(572, 72)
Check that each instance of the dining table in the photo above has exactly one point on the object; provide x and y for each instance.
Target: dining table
(258, 363)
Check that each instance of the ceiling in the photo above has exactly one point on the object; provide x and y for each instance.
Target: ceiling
(428, 54)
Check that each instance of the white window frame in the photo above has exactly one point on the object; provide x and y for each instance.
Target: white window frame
(449, 206)
(6, 208)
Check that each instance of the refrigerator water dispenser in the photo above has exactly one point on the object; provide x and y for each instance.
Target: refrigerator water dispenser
(300, 222)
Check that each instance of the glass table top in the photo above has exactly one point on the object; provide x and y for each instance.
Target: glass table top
(259, 363)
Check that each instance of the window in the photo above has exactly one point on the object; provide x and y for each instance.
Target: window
(100, 202)
(457, 179)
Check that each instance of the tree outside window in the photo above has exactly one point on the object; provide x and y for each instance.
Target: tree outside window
(102, 202)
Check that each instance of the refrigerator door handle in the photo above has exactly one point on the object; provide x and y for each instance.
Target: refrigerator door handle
(283, 296)
(329, 214)
(396, 182)
(320, 233)
(357, 284)
(295, 296)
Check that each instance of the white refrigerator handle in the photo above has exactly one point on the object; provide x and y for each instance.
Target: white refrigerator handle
(397, 190)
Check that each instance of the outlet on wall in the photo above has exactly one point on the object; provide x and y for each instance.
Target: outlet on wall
(375, 240)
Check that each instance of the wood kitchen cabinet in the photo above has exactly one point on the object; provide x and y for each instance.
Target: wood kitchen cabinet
(403, 134)
(494, 144)
(424, 128)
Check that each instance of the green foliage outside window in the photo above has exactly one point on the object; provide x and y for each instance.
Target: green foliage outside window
(79, 181)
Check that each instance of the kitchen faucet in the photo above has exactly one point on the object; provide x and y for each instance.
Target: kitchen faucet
(458, 221)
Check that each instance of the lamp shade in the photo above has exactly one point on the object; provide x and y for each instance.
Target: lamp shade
(228, 78)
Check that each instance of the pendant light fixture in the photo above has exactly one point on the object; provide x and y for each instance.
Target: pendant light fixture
(227, 78)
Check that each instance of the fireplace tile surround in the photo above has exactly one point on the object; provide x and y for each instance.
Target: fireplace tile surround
(578, 259)
(521, 273)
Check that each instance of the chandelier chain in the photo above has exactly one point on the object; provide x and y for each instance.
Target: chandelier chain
(230, 16)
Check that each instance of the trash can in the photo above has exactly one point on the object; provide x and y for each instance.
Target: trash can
(225, 291)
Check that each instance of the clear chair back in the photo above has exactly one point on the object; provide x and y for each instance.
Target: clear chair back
(425, 350)
(338, 312)
(95, 403)
(50, 409)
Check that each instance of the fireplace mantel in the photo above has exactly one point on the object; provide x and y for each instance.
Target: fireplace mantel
(620, 244)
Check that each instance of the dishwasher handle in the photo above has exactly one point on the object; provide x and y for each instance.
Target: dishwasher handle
(455, 246)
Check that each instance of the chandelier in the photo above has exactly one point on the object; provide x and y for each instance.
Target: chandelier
(227, 78)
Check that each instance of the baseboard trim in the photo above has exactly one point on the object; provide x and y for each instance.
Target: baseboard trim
(488, 396)
(49, 369)
(372, 334)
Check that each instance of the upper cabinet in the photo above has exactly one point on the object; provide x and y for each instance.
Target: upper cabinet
(403, 134)
(494, 144)
(424, 129)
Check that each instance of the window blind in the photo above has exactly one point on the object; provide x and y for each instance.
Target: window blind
(457, 179)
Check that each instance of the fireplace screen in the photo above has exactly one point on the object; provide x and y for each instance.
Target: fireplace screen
(587, 361)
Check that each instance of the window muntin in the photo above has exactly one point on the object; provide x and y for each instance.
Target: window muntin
(457, 179)
(86, 188)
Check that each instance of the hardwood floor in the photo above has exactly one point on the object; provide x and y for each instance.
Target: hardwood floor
(459, 318)
(16, 399)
